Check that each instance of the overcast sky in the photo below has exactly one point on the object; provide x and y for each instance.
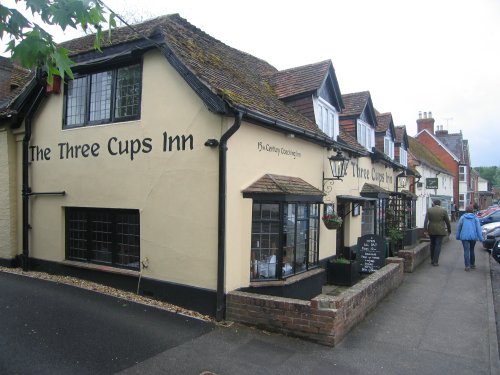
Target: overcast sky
(427, 55)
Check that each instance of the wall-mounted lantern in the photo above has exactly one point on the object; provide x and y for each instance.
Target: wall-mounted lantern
(338, 165)
(401, 181)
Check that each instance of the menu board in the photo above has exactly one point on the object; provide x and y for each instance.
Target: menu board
(371, 253)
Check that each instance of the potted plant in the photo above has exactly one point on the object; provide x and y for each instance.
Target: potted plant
(332, 220)
(342, 271)
(395, 236)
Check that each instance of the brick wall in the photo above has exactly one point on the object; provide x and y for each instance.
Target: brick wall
(324, 319)
(415, 256)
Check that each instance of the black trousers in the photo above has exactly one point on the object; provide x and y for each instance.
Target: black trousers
(436, 242)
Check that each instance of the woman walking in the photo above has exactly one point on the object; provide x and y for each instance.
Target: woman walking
(469, 231)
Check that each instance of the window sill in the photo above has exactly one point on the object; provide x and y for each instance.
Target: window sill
(98, 267)
(290, 280)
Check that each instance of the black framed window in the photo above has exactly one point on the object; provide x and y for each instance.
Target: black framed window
(103, 97)
(103, 236)
(367, 218)
(285, 239)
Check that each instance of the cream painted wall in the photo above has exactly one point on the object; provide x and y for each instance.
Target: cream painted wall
(248, 160)
(8, 191)
(175, 191)
(360, 171)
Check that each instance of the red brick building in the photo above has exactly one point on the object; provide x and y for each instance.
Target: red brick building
(453, 150)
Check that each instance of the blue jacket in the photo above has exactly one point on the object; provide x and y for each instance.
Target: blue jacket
(469, 229)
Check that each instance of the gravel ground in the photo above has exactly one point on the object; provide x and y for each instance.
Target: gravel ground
(99, 288)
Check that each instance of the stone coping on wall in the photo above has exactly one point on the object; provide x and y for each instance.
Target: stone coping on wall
(324, 319)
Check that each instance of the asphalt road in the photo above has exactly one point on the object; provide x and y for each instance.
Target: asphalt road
(495, 284)
(50, 328)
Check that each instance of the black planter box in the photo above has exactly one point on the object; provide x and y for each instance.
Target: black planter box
(342, 273)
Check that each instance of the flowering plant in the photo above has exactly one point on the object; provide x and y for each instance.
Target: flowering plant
(332, 218)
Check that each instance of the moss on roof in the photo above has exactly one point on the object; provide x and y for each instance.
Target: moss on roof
(423, 154)
(241, 79)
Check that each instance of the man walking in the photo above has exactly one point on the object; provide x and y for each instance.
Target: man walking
(437, 225)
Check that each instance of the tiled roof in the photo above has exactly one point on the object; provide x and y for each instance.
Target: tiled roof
(383, 121)
(241, 79)
(19, 78)
(276, 184)
(355, 103)
(424, 155)
(351, 142)
(371, 188)
(302, 79)
(454, 143)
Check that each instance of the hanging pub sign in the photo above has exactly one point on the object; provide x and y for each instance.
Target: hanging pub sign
(431, 183)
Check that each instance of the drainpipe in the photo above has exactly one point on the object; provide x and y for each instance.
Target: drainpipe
(26, 190)
(221, 253)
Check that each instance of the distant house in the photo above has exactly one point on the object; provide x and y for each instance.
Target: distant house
(453, 151)
(485, 193)
(435, 182)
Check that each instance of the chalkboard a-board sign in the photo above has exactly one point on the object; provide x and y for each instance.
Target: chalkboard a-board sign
(371, 253)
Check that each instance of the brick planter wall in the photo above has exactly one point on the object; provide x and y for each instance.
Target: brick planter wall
(324, 319)
(415, 256)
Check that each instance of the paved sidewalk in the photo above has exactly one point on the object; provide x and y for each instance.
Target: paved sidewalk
(439, 321)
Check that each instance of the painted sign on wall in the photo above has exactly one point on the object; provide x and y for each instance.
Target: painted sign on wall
(114, 146)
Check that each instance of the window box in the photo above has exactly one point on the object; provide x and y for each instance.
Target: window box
(342, 273)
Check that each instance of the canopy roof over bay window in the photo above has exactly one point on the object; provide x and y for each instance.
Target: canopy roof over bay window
(283, 188)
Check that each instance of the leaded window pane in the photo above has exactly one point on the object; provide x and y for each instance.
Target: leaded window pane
(77, 235)
(108, 236)
(280, 248)
(128, 240)
(75, 102)
(128, 91)
(100, 96)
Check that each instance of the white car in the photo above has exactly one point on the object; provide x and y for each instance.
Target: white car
(490, 233)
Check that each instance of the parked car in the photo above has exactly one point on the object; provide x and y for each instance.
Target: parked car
(487, 211)
(491, 233)
(492, 217)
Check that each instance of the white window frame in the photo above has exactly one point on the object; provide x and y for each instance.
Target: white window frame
(389, 147)
(327, 117)
(462, 173)
(366, 135)
(403, 157)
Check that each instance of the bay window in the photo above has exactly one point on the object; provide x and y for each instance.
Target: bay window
(389, 147)
(327, 118)
(365, 135)
(403, 157)
(285, 239)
